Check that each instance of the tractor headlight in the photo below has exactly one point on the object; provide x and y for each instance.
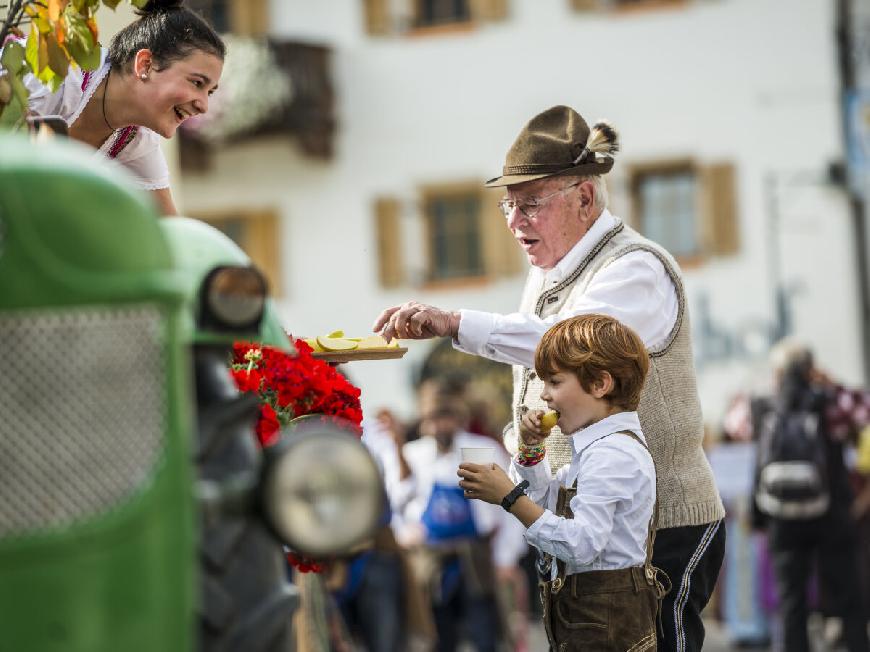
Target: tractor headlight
(322, 491)
(233, 298)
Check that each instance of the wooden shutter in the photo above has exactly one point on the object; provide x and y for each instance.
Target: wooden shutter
(585, 5)
(388, 230)
(249, 17)
(719, 225)
(488, 10)
(501, 254)
(257, 233)
(377, 17)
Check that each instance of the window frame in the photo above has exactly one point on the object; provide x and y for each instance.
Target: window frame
(431, 193)
(669, 167)
(261, 241)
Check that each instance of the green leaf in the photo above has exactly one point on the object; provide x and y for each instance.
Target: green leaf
(32, 55)
(139, 4)
(13, 57)
(111, 4)
(13, 115)
(57, 58)
(19, 90)
(81, 44)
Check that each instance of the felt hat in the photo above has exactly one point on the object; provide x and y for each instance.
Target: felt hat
(556, 142)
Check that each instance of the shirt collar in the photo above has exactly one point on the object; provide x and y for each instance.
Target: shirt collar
(578, 252)
(614, 423)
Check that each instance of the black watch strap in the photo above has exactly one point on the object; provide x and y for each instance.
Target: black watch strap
(520, 490)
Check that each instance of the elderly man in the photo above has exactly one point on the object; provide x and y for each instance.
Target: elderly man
(585, 260)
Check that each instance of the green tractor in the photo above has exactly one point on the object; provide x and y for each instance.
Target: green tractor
(137, 511)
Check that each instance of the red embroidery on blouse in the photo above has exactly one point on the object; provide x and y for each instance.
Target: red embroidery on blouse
(126, 135)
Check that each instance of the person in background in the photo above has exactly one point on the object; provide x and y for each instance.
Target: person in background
(595, 520)
(456, 546)
(801, 492)
(157, 72)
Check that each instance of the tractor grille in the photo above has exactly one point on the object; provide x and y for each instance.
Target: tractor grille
(82, 413)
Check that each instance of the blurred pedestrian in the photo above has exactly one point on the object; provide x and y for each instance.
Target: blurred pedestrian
(802, 496)
(457, 546)
(586, 260)
(595, 520)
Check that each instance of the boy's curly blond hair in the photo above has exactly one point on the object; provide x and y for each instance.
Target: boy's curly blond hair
(591, 344)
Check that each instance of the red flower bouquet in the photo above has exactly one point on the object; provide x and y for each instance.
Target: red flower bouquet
(290, 386)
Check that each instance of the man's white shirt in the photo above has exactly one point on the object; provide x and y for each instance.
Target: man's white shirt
(635, 289)
(616, 486)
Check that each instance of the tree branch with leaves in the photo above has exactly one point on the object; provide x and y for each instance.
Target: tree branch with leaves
(62, 33)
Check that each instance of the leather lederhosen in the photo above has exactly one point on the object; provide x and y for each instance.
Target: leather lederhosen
(605, 610)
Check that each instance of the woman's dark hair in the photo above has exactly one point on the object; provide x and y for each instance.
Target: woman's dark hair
(169, 30)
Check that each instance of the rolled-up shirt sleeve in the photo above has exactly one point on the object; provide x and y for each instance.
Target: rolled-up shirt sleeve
(635, 289)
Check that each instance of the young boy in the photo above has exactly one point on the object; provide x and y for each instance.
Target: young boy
(595, 518)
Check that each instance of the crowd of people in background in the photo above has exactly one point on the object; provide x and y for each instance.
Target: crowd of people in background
(444, 572)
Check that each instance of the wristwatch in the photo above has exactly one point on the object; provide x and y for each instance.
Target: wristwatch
(520, 490)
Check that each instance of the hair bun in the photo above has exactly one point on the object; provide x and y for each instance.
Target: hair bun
(159, 6)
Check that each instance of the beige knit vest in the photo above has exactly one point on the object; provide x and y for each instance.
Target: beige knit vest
(669, 411)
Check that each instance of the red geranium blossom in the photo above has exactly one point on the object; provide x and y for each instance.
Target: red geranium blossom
(290, 386)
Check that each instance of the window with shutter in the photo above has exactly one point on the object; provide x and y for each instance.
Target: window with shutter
(257, 233)
(719, 209)
(377, 17)
(689, 209)
(389, 240)
(625, 5)
(242, 17)
(465, 236)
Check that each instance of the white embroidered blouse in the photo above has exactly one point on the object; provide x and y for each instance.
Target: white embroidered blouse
(136, 148)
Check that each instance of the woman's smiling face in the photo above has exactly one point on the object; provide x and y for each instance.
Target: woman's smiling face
(179, 91)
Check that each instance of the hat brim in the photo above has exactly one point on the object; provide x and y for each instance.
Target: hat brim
(581, 170)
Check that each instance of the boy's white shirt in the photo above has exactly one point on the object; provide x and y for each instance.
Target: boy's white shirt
(616, 489)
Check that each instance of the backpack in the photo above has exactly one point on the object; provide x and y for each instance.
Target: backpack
(792, 481)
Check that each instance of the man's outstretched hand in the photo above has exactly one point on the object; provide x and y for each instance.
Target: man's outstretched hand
(416, 321)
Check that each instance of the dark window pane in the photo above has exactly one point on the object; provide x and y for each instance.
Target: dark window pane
(216, 12)
(668, 211)
(454, 245)
(440, 12)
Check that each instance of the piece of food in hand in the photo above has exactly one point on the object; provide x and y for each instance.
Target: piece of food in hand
(377, 342)
(336, 343)
(548, 420)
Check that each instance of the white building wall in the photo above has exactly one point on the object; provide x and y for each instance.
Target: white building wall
(753, 82)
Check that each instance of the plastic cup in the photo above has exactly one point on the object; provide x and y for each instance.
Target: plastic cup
(484, 455)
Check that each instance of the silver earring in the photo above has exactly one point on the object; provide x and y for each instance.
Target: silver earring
(143, 76)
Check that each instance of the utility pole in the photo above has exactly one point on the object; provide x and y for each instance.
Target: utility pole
(850, 61)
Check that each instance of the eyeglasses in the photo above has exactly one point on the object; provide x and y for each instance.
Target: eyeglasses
(532, 206)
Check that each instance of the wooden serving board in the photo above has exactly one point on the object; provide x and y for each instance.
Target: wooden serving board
(361, 354)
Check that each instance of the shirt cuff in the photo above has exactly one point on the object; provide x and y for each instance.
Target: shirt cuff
(538, 532)
(475, 329)
(538, 476)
